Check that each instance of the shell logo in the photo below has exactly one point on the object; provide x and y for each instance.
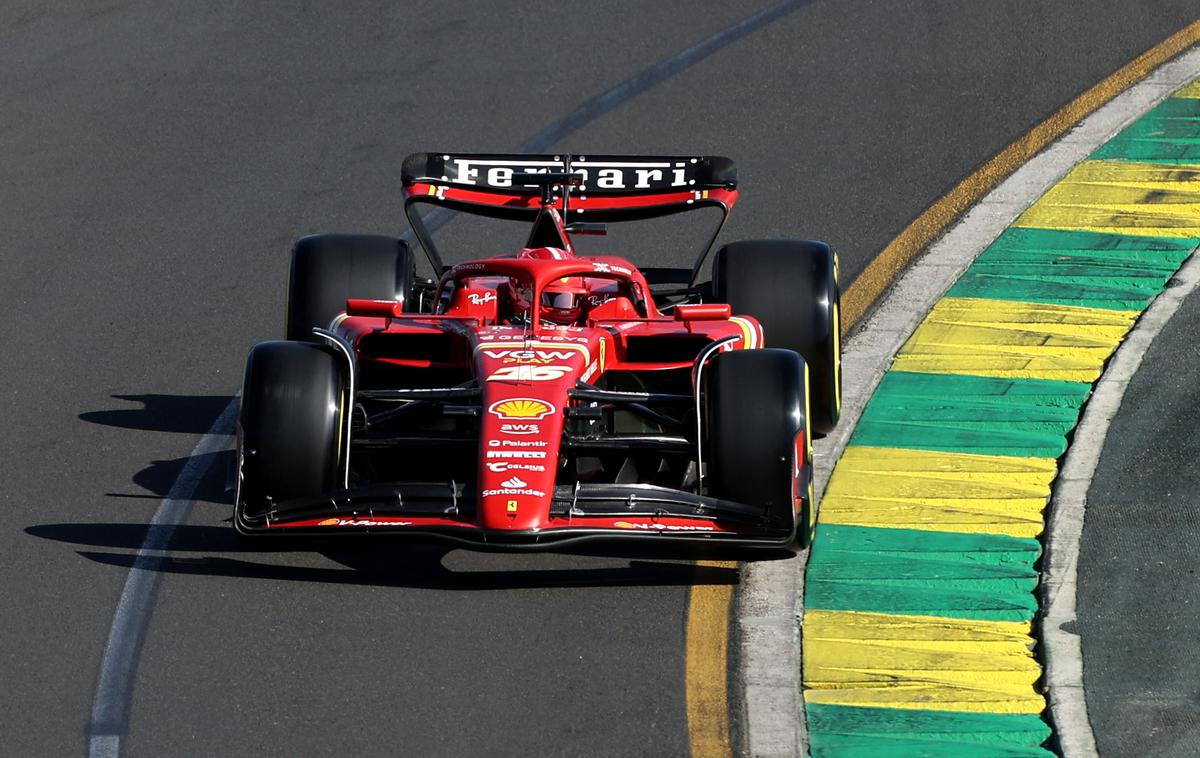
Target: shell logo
(329, 522)
(521, 408)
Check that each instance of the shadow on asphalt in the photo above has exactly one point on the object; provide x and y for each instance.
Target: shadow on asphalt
(187, 414)
(390, 562)
(160, 476)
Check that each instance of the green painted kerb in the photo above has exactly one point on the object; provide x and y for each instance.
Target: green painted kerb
(971, 414)
(922, 573)
(1168, 134)
(851, 732)
(1090, 269)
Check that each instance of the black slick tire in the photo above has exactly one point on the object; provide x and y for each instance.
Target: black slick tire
(290, 424)
(759, 448)
(328, 269)
(791, 288)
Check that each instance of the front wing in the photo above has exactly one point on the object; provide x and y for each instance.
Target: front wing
(577, 514)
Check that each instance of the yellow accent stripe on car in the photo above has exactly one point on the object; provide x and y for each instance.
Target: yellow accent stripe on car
(749, 331)
(837, 354)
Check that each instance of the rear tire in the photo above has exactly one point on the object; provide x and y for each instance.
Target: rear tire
(328, 269)
(791, 288)
(760, 450)
(290, 424)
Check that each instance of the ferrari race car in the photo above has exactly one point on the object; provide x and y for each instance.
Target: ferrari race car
(539, 397)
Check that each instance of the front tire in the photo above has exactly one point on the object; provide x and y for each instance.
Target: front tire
(760, 444)
(791, 288)
(328, 269)
(290, 425)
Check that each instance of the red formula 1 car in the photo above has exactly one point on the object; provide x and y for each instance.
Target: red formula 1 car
(539, 397)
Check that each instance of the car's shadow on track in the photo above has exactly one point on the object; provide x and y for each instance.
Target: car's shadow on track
(187, 414)
(381, 561)
(182, 414)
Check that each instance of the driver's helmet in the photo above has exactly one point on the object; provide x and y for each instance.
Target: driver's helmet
(562, 300)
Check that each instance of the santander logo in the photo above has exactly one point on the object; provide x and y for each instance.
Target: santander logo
(514, 483)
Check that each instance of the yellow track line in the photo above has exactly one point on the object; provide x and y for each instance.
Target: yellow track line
(878, 275)
(707, 665)
(707, 640)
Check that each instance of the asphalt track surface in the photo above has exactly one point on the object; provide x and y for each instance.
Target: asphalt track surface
(1138, 617)
(159, 158)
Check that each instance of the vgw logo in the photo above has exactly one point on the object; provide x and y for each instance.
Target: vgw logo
(530, 356)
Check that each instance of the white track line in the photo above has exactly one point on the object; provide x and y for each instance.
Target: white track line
(771, 600)
(118, 666)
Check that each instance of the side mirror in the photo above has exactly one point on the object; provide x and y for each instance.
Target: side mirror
(703, 312)
(377, 308)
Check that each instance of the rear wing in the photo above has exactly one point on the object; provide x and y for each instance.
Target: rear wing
(611, 187)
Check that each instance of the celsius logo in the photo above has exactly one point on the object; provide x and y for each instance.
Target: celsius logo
(514, 482)
(521, 409)
(500, 468)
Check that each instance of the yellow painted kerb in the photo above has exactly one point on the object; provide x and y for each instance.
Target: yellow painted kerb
(882, 660)
(1122, 197)
(1014, 340)
(938, 491)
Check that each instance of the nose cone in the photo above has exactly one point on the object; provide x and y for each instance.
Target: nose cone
(518, 453)
(525, 383)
